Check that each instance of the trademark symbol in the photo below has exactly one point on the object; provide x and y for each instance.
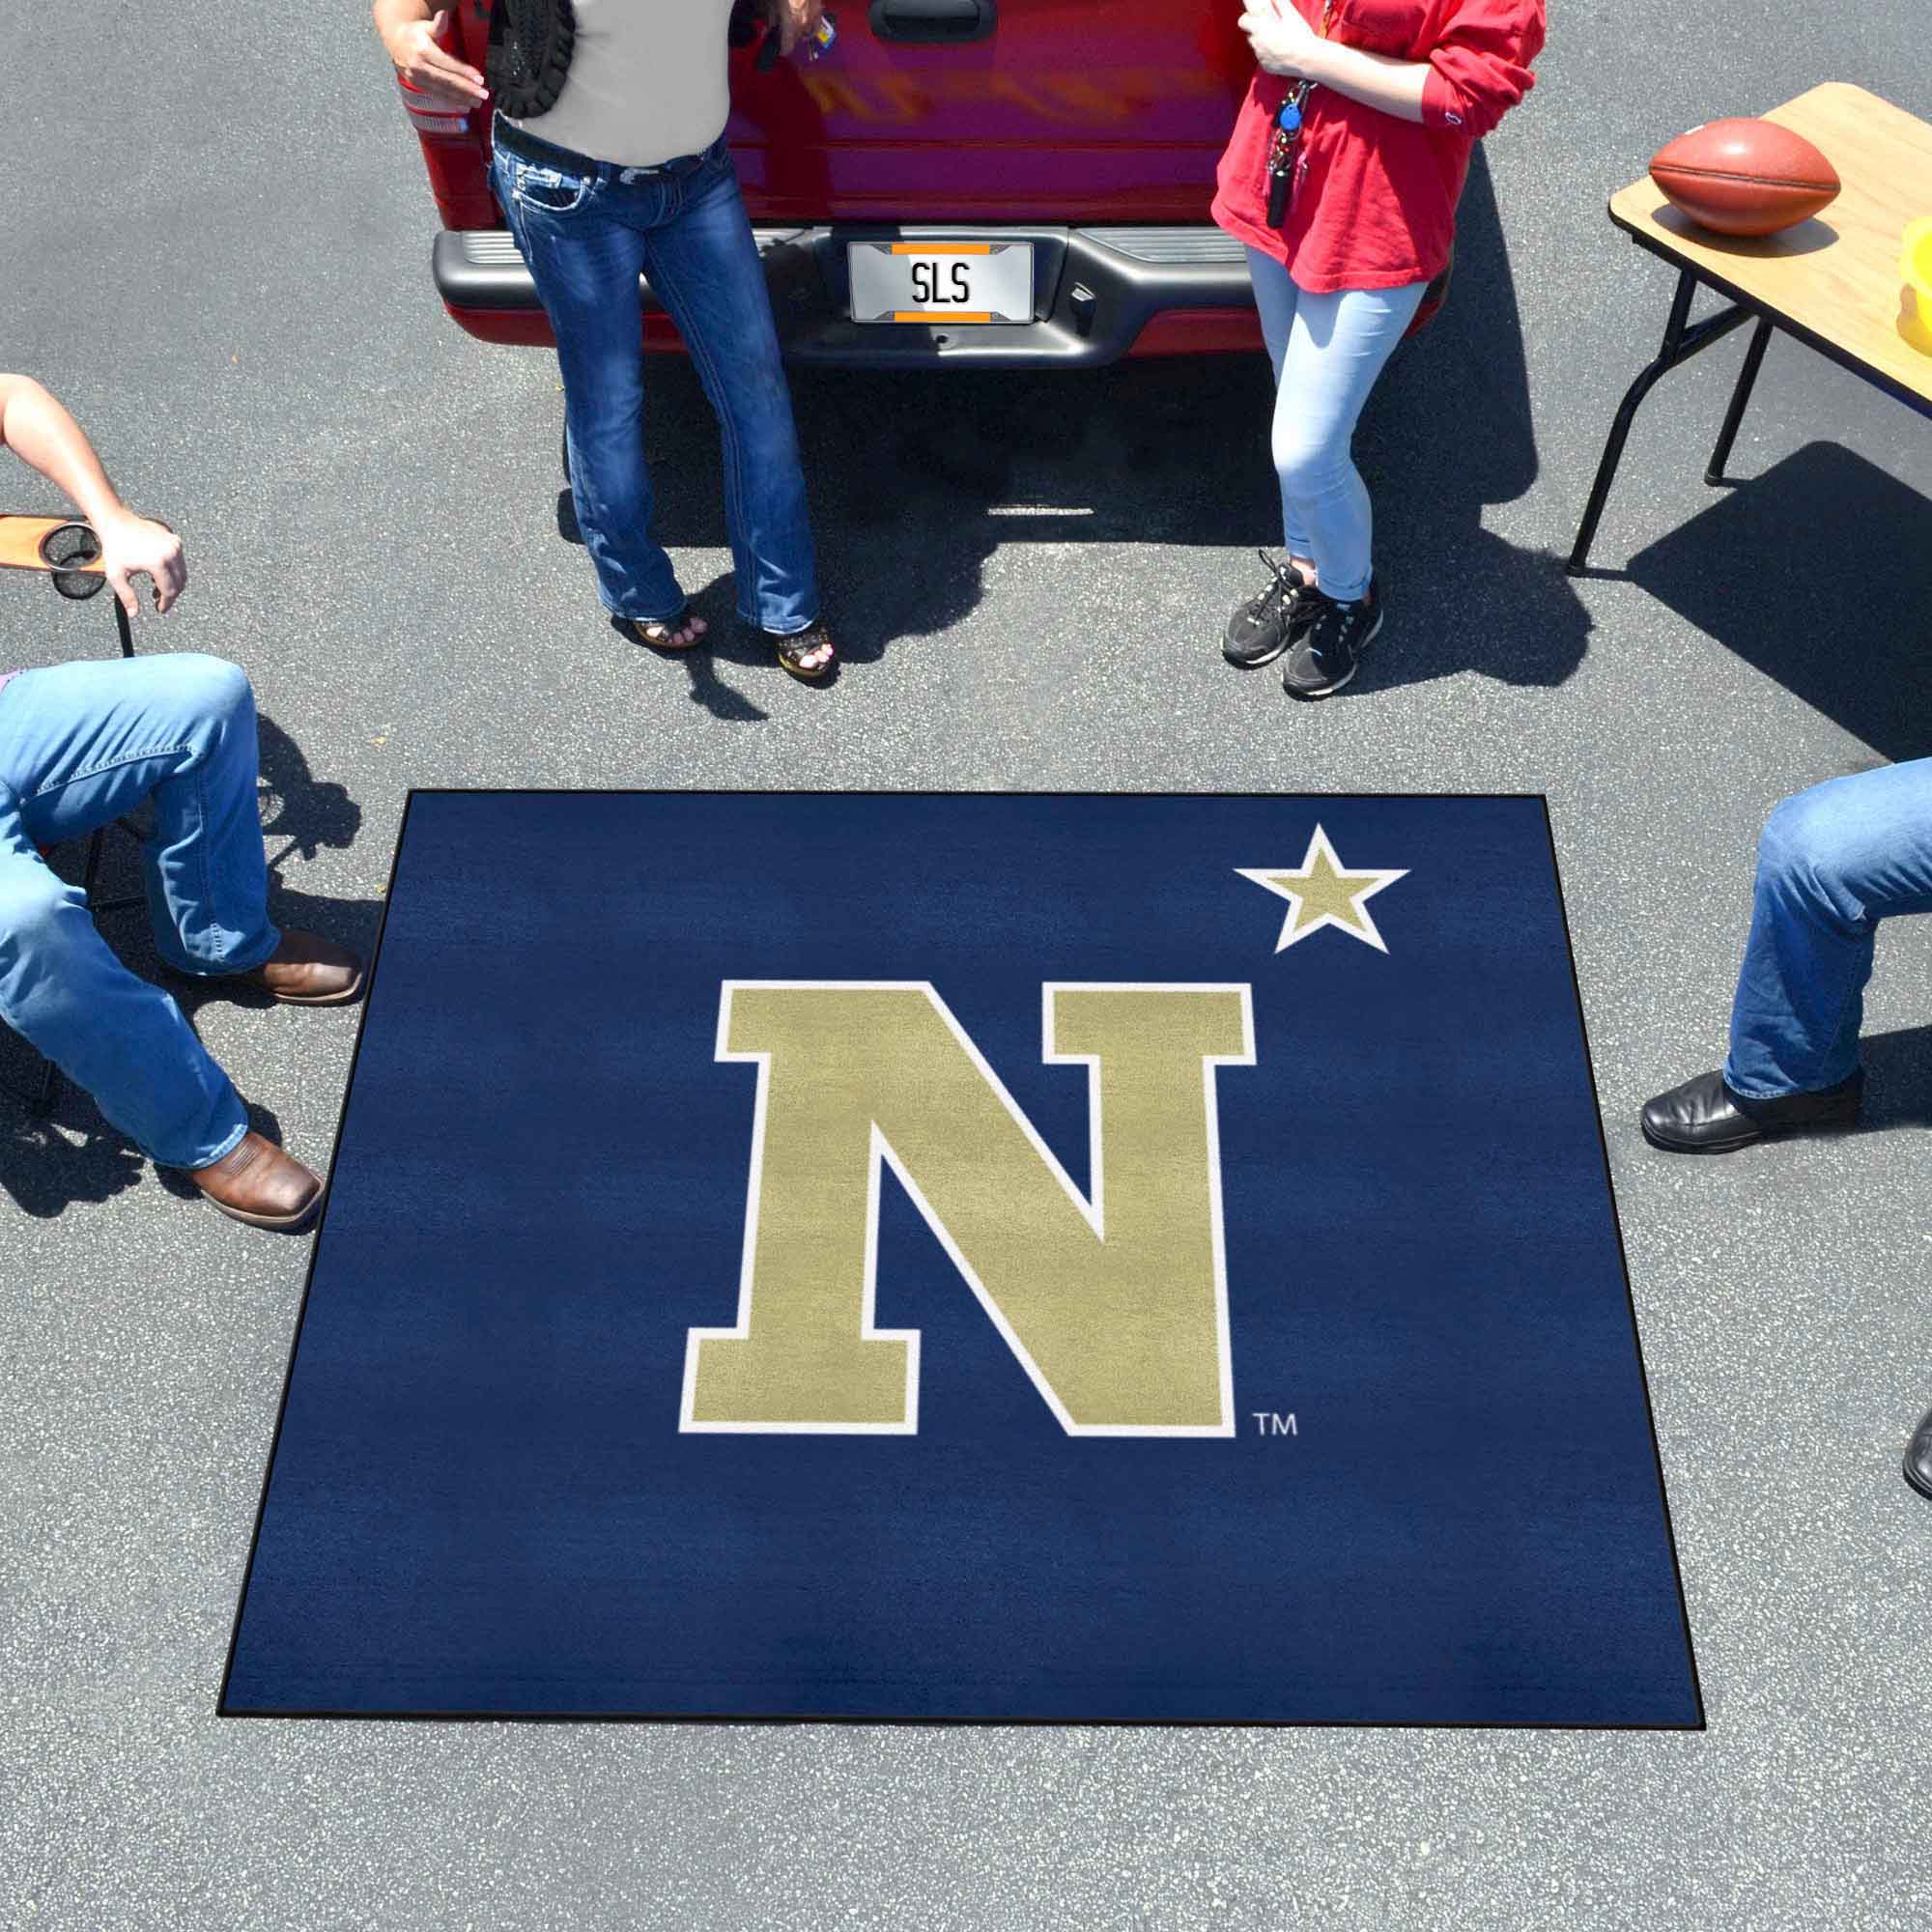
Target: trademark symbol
(1268, 1423)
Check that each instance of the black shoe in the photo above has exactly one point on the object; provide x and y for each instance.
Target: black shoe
(1265, 626)
(1703, 1116)
(1327, 655)
(1918, 1455)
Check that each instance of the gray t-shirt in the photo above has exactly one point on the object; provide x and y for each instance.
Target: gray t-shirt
(648, 81)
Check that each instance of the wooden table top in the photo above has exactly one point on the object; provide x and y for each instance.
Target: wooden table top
(20, 540)
(1835, 277)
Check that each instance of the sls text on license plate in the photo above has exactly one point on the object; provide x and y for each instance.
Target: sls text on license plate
(941, 281)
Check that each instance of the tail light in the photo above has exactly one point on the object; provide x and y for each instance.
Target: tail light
(427, 117)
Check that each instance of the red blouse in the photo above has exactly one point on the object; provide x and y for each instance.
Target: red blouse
(1374, 204)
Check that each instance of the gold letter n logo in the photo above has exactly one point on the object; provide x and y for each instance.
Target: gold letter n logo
(1116, 1306)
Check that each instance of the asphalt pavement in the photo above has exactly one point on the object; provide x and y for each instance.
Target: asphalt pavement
(215, 248)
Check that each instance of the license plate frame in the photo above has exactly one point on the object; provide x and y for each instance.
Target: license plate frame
(940, 280)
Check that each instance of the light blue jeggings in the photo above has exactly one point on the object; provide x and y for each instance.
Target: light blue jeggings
(1832, 862)
(80, 744)
(1327, 352)
(587, 229)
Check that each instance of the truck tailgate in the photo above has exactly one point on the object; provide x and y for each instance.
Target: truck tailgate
(1066, 111)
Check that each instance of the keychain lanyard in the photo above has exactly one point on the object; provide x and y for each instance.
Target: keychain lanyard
(1288, 135)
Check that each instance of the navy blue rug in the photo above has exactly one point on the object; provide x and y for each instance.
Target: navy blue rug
(1092, 1259)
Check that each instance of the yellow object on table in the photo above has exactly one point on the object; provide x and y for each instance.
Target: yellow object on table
(1914, 314)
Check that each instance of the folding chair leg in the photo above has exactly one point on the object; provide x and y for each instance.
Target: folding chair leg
(94, 844)
(47, 1097)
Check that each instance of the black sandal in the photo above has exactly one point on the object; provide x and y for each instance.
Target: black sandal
(658, 632)
(795, 646)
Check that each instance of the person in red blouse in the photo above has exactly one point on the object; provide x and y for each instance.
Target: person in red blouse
(1342, 178)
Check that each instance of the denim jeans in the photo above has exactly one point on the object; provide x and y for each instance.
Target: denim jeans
(588, 230)
(1832, 862)
(80, 744)
(1327, 352)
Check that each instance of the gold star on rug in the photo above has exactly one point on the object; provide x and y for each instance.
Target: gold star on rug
(1321, 894)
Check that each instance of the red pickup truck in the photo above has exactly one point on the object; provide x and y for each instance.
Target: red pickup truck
(1022, 183)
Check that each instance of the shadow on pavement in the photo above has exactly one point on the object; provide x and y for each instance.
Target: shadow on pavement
(917, 477)
(43, 1171)
(726, 639)
(1814, 573)
(1447, 433)
(1898, 1078)
(46, 1164)
(307, 812)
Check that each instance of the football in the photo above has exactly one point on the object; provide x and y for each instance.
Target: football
(1743, 177)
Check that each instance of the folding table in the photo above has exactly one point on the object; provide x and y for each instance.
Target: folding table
(1832, 282)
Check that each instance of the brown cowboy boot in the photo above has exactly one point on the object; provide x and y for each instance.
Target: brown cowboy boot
(258, 1184)
(307, 970)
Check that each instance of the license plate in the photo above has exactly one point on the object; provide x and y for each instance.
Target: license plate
(941, 281)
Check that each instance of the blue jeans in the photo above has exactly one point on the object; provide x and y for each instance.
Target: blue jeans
(588, 230)
(1832, 861)
(1327, 352)
(80, 744)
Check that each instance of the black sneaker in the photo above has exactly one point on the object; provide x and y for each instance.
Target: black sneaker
(1265, 626)
(1326, 656)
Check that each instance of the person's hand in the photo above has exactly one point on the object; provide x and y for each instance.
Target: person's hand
(1284, 42)
(443, 80)
(794, 19)
(131, 547)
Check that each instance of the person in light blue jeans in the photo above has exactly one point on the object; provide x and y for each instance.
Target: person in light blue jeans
(1832, 863)
(1328, 351)
(82, 744)
(1341, 177)
(587, 229)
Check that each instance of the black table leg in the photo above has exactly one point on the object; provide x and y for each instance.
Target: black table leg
(1740, 397)
(1681, 342)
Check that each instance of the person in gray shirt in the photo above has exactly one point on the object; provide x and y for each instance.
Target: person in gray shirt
(609, 163)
